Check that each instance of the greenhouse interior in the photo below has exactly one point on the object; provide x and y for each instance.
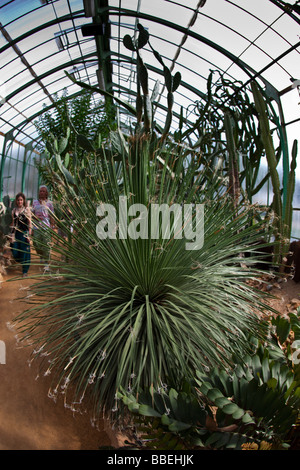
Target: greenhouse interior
(149, 225)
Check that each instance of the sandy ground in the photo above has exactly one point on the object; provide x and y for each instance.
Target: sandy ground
(285, 294)
(29, 419)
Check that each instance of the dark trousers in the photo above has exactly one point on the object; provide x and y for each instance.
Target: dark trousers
(21, 250)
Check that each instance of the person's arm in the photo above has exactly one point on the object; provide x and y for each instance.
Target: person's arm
(33, 213)
(28, 211)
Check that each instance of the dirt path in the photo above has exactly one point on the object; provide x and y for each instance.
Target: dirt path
(29, 419)
(285, 295)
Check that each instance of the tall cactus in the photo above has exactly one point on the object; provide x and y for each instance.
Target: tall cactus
(145, 102)
(288, 216)
(171, 83)
(6, 217)
(5, 220)
(282, 224)
(234, 182)
(143, 105)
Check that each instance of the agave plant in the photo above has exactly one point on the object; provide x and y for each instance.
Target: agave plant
(139, 300)
(256, 404)
(131, 312)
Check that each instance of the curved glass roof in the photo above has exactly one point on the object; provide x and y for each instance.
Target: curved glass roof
(41, 39)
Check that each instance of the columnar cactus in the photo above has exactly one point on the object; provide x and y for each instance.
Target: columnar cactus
(283, 214)
(6, 216)
(144, 103)
(5, 220)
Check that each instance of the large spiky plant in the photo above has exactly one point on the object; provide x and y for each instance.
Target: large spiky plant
(136, 312)
(136, 308)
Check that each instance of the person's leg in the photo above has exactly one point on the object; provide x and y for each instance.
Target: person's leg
(41, 243)
(25, 254)
(36, 238)
(15, 248)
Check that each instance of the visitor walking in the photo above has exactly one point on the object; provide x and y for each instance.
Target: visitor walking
(21, 232)
(42, 209)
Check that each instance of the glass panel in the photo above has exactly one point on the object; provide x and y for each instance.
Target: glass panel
(20, 76)
(257, 31)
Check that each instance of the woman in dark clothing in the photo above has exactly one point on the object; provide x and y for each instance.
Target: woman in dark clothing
(22, 231)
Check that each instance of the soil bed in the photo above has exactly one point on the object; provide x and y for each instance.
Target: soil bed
(29, 419)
